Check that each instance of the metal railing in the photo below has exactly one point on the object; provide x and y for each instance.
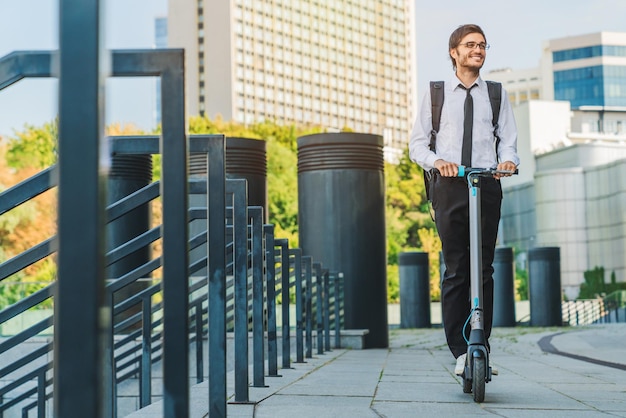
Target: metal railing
(607, 309)
(615, 306)
(239, 294)
(84, 377)
(582, 312)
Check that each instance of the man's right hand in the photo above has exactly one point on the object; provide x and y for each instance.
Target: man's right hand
(446, 168)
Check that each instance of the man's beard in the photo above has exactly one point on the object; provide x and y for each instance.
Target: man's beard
(469, 63)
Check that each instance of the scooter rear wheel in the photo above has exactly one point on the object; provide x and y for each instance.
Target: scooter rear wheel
(478, 378)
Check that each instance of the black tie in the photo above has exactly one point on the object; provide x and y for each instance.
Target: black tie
(468, 121)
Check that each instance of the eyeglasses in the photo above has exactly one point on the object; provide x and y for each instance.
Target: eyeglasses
(472, 45)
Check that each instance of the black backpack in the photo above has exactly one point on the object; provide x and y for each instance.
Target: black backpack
(436, 97)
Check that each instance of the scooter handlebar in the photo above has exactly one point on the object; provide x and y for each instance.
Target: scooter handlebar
(463, 171)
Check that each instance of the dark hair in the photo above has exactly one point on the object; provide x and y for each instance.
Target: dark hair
(457, 36)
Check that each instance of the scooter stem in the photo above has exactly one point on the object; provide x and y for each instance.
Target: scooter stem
(476, 262)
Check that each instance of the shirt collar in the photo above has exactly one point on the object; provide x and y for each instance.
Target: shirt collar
(454, 82)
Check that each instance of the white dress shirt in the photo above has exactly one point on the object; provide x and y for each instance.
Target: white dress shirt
(449, 140)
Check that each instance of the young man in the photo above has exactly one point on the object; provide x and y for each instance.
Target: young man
(449, 193)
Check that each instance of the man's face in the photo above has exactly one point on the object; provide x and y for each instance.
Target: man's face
(467, 57)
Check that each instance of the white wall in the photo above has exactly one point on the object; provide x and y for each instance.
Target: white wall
(606, 218)
(541, 126)
(561, 221)
(518, 223)
(584, 155)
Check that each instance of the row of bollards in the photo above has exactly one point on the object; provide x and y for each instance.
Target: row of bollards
(544, 276)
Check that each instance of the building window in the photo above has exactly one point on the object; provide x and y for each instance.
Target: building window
(580, 86)
(523, 97)
(590, 125)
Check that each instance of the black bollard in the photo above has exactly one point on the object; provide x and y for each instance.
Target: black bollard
(544, 276)
(341, 215)
(504, 288)
(245, 159)
(414, 290)
(128, 174)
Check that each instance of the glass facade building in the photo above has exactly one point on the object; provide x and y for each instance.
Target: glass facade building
(591, 75)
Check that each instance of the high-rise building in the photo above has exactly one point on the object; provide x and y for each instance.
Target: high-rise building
(338, 64)
(160, 41)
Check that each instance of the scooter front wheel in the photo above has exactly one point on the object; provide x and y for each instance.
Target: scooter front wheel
(478, 378)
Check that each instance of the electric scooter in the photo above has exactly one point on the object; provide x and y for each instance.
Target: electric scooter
(477, 370)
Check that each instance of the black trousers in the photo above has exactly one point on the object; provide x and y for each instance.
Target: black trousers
(450, 197)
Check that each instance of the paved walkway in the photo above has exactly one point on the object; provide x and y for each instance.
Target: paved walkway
(555, 372)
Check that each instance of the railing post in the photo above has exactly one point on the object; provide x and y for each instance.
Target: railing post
(327, 310)
(80, 388)
(174, 186)
(199, 351)
(145, 374)
(270, 268)
(337, 284)
(173, 145)
(216, 269)
(307, 260)
(238, 188)
(41, 394)
(109, 380)
(297, 253)
(319, 305)
(258, 338)
(284, 273)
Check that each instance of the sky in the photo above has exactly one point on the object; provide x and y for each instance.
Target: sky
(33, 25)
(515, 30)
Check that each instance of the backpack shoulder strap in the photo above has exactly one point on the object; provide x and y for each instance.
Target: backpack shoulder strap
(495, 97)
(436, 99)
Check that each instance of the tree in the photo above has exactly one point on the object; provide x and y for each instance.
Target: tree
(31, 222)
(34, 147)
(282, 185)
(409, 225)
(408, 222)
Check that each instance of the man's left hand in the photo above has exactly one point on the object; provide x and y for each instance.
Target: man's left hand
(505, 166)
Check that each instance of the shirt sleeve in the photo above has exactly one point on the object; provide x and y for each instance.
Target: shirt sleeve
(419, 141)
(507, 132)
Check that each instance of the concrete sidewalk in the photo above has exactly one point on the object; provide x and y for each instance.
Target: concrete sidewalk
(573, 372)
(414, 378)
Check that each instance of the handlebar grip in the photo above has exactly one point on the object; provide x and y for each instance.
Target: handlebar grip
(516, 171)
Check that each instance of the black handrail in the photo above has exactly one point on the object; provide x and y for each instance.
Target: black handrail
(137, 349)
